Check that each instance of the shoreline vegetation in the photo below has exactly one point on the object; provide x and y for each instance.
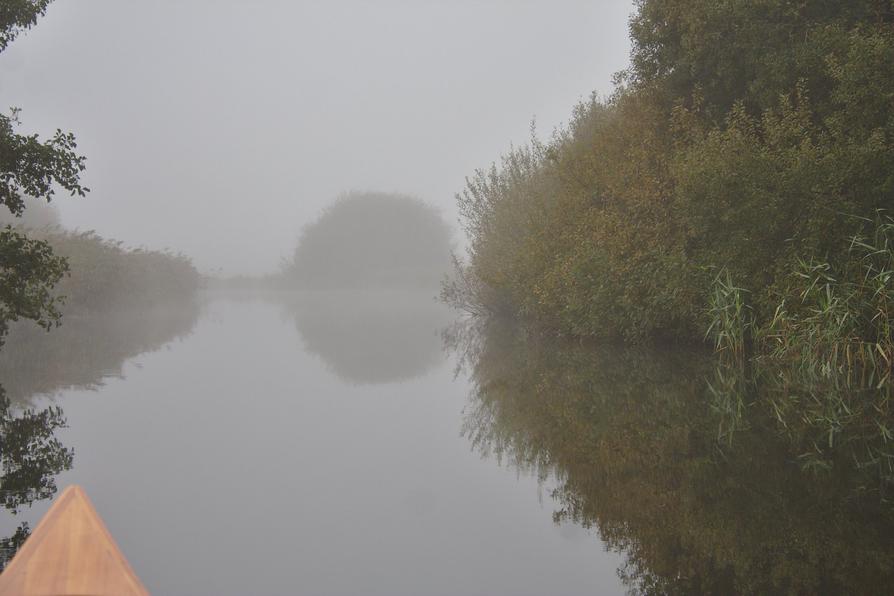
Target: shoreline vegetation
(98, 275)
(103, 275)
(735, 192)
(107, 275)
(716, 157)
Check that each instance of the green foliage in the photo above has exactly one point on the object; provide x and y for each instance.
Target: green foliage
(744, 137)
(820, 367)
(33, 168)
(742, 50)
(733, 183)
(29, 269)
(838, 324)
(732, 321)
(17, 16)
(830, 319)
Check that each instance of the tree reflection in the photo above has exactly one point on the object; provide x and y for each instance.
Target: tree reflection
(31, 457)
(371, 337)
(640, 455)
(85, 350)
(81, 353)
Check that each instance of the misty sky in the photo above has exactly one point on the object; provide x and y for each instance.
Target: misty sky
(219, 128)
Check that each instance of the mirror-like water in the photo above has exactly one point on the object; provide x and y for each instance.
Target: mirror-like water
(348, 443)
(296, 446)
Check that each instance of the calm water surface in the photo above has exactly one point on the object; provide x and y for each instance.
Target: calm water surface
(309, 445)
(339, 443)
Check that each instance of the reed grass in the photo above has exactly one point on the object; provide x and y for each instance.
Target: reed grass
(732, 320)
(821, 365)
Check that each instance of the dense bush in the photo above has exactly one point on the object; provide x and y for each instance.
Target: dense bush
(105, 274)
(745, 135)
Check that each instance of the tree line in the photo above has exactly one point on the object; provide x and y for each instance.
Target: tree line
(43, 267)
(748, 143)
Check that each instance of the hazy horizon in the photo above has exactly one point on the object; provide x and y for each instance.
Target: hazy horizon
(220, 129)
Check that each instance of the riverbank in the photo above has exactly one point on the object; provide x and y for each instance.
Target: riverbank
(713, 155)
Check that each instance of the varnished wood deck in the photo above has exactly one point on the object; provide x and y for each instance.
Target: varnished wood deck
(70, 552)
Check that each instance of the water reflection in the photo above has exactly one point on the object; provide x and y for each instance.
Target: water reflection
(81, 353)
(371, 337)
(84, 350)
(31, 457)
(640, 455)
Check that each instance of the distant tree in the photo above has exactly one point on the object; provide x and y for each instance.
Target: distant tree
(372, 240)
(30, 167)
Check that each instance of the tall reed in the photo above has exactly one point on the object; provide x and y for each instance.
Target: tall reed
(732, 320)
(821, 365)
(839, 322)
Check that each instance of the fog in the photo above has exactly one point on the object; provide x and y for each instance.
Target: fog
(219, 128)
(658, 347)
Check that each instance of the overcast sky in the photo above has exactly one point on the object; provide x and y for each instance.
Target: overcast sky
(220, 128)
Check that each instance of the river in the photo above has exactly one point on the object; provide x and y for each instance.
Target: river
(313, 444)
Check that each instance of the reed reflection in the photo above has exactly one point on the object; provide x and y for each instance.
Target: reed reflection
(639, 453)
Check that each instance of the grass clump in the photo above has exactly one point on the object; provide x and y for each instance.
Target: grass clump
(819, 367)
